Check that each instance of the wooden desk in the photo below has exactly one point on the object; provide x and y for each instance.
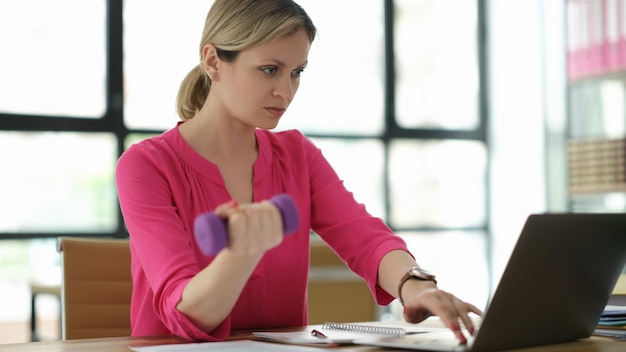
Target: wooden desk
(120, 344)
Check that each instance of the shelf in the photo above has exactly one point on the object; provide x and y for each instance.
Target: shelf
(597, 165)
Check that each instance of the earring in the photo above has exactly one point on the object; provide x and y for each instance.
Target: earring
(213, 76)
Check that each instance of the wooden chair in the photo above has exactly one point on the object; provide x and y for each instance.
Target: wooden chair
(335, 293)
(96, 287)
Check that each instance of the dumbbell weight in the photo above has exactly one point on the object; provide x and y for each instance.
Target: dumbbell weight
(211, 231)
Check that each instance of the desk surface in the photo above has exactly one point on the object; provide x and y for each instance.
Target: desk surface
(120, 344)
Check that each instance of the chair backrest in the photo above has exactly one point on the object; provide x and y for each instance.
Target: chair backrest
(96, 287)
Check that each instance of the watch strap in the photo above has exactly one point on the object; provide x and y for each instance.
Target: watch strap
(411, 274)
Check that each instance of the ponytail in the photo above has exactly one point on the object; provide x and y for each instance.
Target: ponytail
(192, 93)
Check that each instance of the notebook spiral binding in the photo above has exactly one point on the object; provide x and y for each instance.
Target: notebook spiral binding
(368, 329)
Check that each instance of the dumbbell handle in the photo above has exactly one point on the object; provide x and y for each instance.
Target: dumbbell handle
(211, 231)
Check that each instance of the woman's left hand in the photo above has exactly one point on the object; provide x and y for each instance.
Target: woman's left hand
(422, 299)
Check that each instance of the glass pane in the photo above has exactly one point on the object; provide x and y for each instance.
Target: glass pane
(436, 64)
(58, 182)
(437, 183)
(445, 252)
(342, 89)
(53, 57)
(360, 163)
(160, 48)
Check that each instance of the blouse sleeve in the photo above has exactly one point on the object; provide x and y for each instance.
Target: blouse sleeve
(357, 237)
(160, 241)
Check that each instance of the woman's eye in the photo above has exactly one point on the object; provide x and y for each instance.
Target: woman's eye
(269, 70)
(297, 72)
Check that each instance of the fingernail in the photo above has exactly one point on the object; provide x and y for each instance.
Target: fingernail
(461, 337)
(455, 327)
(233, 203)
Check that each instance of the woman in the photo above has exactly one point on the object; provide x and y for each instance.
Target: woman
(222, 157)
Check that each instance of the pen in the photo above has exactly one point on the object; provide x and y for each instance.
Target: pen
(319, 334)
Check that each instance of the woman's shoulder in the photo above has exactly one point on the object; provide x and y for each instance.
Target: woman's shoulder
(150, 148)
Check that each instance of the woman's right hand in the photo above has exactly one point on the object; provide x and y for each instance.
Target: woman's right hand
(253, 228)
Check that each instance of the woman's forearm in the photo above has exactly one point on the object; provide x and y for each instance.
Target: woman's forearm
(391, 269)
(210, 296)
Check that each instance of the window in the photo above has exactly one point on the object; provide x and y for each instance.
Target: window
(59, 182)
(159, 50)
(436, 75)
(49, 68)
(437, 184)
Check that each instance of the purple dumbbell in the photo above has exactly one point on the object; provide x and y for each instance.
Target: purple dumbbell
(212, 233)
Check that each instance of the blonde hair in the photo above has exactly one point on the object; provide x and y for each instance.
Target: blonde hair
(233, 26)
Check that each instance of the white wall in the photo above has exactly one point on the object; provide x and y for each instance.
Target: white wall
(518, 63)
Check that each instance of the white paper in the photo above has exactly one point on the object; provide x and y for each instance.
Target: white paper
(227, 346)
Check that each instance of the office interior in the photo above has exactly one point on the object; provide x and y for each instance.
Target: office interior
(448, 119)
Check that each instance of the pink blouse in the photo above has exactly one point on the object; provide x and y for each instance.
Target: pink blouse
(163, 184)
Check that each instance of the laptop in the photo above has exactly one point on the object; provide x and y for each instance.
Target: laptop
(554, 288)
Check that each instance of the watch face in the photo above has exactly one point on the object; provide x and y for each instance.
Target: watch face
(422, 273)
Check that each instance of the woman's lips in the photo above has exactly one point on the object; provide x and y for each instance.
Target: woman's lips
(276, 112)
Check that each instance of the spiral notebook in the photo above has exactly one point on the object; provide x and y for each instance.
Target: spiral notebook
(336, 334)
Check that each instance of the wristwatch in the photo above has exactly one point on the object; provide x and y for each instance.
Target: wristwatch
(415, 273)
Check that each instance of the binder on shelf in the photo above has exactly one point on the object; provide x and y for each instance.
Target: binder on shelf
(596, 36)
(622, 34)
(611, 13)
(576, 32)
